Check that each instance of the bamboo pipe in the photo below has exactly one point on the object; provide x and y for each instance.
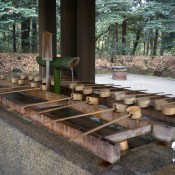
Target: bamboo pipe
(134, 111)
(22, 90)
(45, 102)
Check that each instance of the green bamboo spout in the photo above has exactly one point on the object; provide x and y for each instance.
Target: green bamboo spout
(59, 63)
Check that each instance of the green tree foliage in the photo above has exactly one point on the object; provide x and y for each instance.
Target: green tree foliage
(135, 27)
(12, 15)
(123, 27)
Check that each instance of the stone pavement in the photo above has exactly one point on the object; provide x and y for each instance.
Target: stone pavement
(152, 84)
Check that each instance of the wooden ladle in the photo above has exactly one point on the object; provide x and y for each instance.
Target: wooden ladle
(131, 99)
(81, 86)
(134, 112)
(158, 104)
(107, 93)
(121, 95)
(120, 107)
(145, 102)
(89, 100)
(168, 109)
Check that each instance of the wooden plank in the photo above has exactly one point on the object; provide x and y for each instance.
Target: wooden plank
(124, 135)
(81, 115)
(99, 127)
(41, 103)
(103, 148)
(22, 90)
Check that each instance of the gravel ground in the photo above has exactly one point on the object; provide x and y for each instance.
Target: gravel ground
(30, 149)
(152, 84)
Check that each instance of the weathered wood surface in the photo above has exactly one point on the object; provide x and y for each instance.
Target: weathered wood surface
(99, 127)
(124, 135)
(19, 90)
(149, 111)
(103, 148)
(8, 86)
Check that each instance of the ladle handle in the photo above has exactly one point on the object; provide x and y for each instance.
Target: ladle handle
(99, 127)
(22, 90)
(80, 115)
(103, 87)
(163, 95)
(96, 86)
(61, 107)
(13, 87)
(168, 98)
(45, 102)
(99, 84)
(141, 94)
(149, 96)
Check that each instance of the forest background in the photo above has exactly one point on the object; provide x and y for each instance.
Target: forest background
(137, 33)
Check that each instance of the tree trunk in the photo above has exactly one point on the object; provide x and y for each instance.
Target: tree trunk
(162, 45)
(100, 45)
(25, 33)
(14, 37)
(124, 26)
(136, 42)
(144, 48)
(155, 42)
(151, 42)
(114, 43)
(147, 49)
(34, 37)
(112, 33)
(116, 39)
